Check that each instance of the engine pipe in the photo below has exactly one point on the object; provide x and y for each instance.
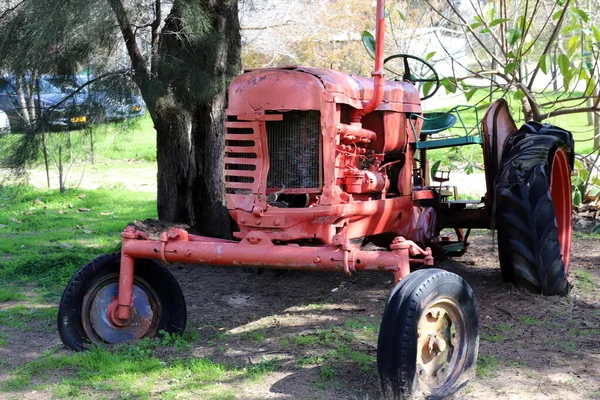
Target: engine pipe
(378, 74)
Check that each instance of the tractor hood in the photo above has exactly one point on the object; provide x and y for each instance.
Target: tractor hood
(304, 88)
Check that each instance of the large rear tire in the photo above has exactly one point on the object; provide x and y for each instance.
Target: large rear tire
(428, 340)
(158, 304)
(533, 209)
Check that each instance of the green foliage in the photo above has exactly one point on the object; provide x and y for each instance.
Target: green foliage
(11, 294)
(528, 320)
(53, 36)
(487, 366)
(511, 48)
(583, 184)
(45, 239)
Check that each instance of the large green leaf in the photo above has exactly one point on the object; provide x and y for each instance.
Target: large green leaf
(577, 180)
(435, 167)
(545, 62)
(589, 87)
(557, 15)
(449, 84)
(596, 33)
(572, 46)
(369, 42)
(582, 14)
(519, 95)
(470, 94)
(498, 21)
(513, 35)
(510, 67)
(427, 88)
(563, 64)
(576, 197)
(578, 165)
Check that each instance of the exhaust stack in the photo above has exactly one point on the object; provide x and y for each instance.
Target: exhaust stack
(378, 73)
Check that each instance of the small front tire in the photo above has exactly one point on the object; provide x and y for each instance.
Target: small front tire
(428, 340)
(158, 304)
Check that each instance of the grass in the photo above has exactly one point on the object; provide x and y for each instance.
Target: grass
(583, 280)
(528, 320)
(22, 317)
(45, 237)
(470, 158)
(11, 294)
(133, 371)
(487, 366)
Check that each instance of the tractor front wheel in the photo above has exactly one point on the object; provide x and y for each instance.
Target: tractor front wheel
(533, 209)
(428, 340)
(83, 313)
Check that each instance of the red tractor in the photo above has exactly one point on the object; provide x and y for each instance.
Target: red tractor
(316, 159)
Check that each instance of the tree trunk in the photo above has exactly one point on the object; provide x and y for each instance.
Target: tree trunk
(24, 111)
(184, 87)
(193, 72)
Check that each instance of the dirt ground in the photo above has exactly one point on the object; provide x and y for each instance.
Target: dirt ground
(531, 347)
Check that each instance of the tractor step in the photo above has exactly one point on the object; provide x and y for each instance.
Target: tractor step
(450, 142)
(463, 204)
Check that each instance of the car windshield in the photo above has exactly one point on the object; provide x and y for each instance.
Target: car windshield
(57, 85)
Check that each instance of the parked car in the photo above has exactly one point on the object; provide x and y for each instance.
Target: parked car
(62, 107)
(112, 99)
(9, 103)
(4, 123)
(54, 108)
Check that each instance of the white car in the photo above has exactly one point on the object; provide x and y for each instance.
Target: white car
(4, 122)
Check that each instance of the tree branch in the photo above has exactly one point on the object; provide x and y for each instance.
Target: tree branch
(137, 60)
(549, 44)
(566, 111)
(155, 33)
(11, 9)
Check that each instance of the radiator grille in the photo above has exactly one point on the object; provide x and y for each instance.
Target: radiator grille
(242, 149)
(295, 151)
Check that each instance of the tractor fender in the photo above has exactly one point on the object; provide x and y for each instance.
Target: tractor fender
(497, 126)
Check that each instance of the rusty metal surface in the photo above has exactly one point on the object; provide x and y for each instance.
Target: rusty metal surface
(257, 250)
(100, 307)
(441, 344)
(304, 88)
(497, 126)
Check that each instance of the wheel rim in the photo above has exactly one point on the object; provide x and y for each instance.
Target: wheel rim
(101, 299)
(442, 338)
(560, 190)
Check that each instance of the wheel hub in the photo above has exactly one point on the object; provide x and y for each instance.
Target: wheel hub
(438, 346)
(104, 324)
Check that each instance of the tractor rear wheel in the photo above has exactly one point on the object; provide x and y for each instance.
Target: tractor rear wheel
(158, 304)
(533, 209)
(428, 340)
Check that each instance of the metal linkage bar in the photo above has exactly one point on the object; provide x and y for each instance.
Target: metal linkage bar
(257, 250)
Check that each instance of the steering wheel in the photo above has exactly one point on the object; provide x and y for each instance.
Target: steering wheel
(407, 75)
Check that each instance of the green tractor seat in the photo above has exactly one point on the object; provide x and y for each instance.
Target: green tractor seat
(435, 122)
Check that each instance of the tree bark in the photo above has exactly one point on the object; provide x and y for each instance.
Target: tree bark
(189, 114)
(184, 85)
